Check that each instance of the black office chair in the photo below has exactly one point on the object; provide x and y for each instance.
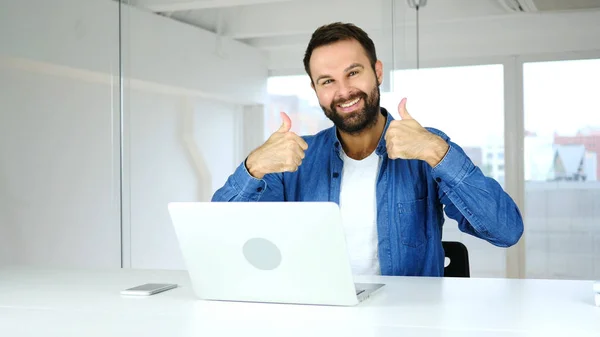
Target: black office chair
(459, 259)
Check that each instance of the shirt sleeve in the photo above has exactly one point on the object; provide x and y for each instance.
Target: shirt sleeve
(242, 186)
(478, 203)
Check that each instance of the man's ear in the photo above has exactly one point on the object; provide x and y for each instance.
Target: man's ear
(379, 72)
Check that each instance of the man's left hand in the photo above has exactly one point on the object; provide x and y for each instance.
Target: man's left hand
(407, 139)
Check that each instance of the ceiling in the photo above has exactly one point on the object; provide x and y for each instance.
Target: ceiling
(283, 27)
(254, 21)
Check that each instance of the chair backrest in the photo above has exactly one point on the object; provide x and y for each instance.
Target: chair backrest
(459, 259)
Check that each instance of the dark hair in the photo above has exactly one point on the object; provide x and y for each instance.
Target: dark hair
(335, 32)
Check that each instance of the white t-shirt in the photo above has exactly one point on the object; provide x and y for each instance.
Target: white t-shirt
(359, 212)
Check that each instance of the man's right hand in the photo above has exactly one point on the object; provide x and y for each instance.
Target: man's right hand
(282, 152)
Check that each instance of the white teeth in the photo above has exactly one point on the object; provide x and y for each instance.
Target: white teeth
(349, 104)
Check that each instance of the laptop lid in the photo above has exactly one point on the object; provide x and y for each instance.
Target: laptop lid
(283, 252)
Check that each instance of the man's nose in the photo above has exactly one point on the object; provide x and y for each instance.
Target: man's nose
(344, 90)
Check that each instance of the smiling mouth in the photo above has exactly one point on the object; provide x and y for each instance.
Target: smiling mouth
(350, 104)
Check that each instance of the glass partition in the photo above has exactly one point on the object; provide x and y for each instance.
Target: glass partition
(59, 123)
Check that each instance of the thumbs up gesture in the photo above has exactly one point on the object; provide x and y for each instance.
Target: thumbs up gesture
(282, 152)
(407, 139)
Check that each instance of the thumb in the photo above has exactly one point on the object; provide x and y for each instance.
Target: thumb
(287, 123)
(402, 110)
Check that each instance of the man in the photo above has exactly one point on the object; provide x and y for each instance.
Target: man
(391, 178)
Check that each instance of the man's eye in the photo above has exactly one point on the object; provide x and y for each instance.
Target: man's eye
(326, 82)
(352, 73)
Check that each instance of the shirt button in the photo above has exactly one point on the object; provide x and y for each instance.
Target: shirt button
(438, 179)
(259, 189)
(335, 174)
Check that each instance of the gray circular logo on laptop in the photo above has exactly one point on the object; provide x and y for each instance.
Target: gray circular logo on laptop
(262, 254)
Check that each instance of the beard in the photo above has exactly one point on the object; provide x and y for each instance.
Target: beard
(355, 122)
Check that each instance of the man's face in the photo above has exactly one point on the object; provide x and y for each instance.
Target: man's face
(346, 86)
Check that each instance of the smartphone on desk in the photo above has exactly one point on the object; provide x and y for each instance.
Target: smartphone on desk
(148, 289)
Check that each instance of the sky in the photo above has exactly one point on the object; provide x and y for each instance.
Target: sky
(561, 96)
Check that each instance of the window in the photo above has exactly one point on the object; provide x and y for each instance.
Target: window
(562, 166)
(294, 96)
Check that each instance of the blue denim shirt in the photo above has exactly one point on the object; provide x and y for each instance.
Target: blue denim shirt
(411, 197)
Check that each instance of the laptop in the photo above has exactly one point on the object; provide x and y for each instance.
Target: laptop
(274, 252)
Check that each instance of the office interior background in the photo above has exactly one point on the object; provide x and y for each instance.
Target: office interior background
(109, 110)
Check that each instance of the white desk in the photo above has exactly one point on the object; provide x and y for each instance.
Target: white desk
(45, 302)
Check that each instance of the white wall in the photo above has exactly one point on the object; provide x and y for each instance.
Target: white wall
(215, 127)
(59, 197)
(253, 120)
(163, 170)
(503, 35)
(161, 50)
(59, 102)
(84, 34)
(7, 232)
